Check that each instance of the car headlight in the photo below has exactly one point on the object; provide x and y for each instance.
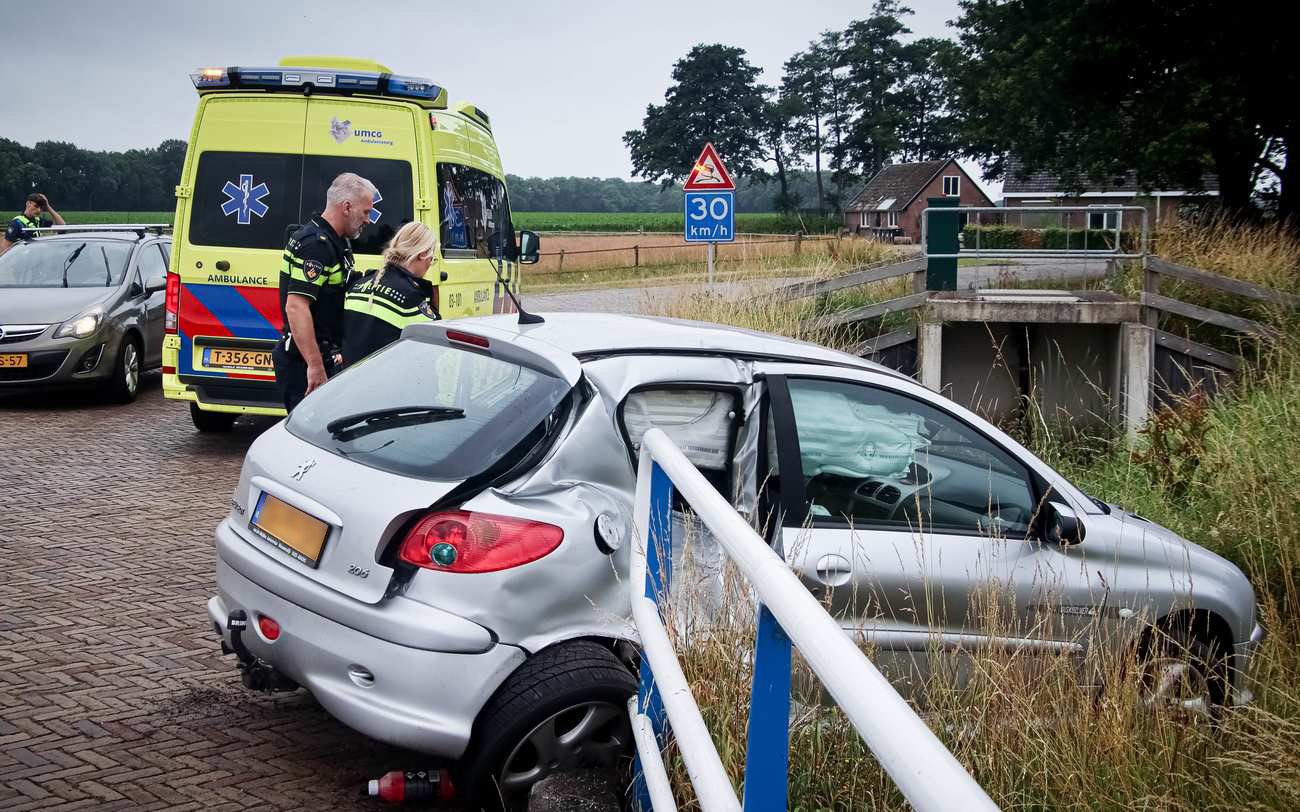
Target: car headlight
(82, 325)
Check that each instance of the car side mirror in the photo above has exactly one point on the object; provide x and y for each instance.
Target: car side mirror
(530, 247)
(156, 284)
(1061, 524)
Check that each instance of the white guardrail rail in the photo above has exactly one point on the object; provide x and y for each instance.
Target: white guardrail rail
(928, 776)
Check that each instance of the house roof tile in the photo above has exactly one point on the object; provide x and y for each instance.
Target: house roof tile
(1019, 181)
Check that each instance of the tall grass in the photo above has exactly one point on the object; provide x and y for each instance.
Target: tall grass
(1057, 732)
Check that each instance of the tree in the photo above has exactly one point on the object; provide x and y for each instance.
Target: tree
(927, 128)
(778, 136)
(876, 62)
(807, 86)
(1089, 91)
(715, 99)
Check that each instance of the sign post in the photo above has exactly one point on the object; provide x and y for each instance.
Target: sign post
(710, 204)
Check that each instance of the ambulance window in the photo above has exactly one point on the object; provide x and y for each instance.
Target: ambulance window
(394, 208)
(471, 204)
(244, 199)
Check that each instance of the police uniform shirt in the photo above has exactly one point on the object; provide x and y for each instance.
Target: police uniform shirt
(377, 308)
(317, 265)
(22, 224)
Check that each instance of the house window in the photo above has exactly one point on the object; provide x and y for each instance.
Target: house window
(1103, 219)
(891, 219)
(952, 185)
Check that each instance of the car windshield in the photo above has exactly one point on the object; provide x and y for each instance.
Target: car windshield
(428, 411)
(64, 263)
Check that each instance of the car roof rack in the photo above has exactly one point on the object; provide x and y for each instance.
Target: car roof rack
(139, 228)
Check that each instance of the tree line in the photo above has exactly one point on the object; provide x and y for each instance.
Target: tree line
(1172, 91)
(79, 179)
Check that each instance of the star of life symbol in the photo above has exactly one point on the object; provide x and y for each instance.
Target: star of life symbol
(245, 199)
(375, 214)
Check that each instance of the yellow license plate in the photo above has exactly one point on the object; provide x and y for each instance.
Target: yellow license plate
(13, 359)
(252, 360)
(292, 531)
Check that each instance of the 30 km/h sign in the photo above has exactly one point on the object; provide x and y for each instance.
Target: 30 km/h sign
(710, 217)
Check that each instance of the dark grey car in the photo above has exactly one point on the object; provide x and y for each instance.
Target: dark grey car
(83, 308)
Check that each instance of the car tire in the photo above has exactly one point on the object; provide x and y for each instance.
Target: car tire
(125, 383)
(211, 422)
(1184, 672)
(564, 708)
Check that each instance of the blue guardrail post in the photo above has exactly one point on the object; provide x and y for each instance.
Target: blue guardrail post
(767, 754)
(658, 576)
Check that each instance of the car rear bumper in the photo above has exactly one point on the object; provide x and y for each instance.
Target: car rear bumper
(411, 697)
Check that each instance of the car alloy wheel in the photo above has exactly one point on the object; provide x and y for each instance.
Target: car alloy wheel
(1177, 683)
(130, 368)
(589, 734)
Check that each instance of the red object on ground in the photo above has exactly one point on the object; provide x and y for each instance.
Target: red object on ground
(397, 787)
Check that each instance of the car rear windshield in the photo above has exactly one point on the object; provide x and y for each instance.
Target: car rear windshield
(64, 263)
(502, 403)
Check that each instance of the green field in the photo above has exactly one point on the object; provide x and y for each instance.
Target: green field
(92, 218)
(762, 223)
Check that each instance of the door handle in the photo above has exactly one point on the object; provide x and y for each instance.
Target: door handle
(222, 265)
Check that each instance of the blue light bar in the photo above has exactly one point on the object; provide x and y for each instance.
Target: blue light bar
(413, 86)
(322, 80)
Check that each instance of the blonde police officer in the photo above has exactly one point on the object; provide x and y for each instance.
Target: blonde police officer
(379, 305)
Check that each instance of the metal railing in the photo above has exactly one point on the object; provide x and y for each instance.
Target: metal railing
(1113, 251)
(138, 228)
(928, 776)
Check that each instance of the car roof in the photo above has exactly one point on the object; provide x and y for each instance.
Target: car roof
(125, 235)
(589, 336)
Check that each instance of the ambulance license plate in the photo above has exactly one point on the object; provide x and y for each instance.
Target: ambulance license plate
(250, 360)
(293, 532)
(13, 360)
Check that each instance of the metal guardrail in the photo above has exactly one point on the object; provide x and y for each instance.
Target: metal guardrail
(1115, 251)
(927, 774)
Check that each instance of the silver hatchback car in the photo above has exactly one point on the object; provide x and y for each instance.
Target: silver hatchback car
(432, 544)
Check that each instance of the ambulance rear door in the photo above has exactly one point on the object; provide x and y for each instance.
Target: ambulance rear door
(246, 186)
(376, 140)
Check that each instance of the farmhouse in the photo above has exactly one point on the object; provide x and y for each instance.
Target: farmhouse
(1026, 188)
(889, 206)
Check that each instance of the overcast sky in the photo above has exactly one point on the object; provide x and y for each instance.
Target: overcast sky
(562, 81)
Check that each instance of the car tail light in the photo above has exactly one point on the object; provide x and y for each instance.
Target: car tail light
(463, 541)
(170, 321)
(270, 629)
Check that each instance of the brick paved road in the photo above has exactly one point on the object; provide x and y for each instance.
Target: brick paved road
(112, 691)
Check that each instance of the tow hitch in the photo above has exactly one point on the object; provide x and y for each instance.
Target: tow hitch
(255, 673)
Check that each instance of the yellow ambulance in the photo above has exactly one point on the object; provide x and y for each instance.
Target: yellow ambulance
(265, 146)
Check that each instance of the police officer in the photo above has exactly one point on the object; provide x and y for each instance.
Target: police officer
(38, 213)
(379, 305)
(316, 271)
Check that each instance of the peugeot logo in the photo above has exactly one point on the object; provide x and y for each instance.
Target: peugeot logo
(2, 331)
(303, 469)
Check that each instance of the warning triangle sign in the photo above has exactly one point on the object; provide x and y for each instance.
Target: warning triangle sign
(708, 174)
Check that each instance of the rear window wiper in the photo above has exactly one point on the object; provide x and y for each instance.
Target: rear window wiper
(359, 425)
